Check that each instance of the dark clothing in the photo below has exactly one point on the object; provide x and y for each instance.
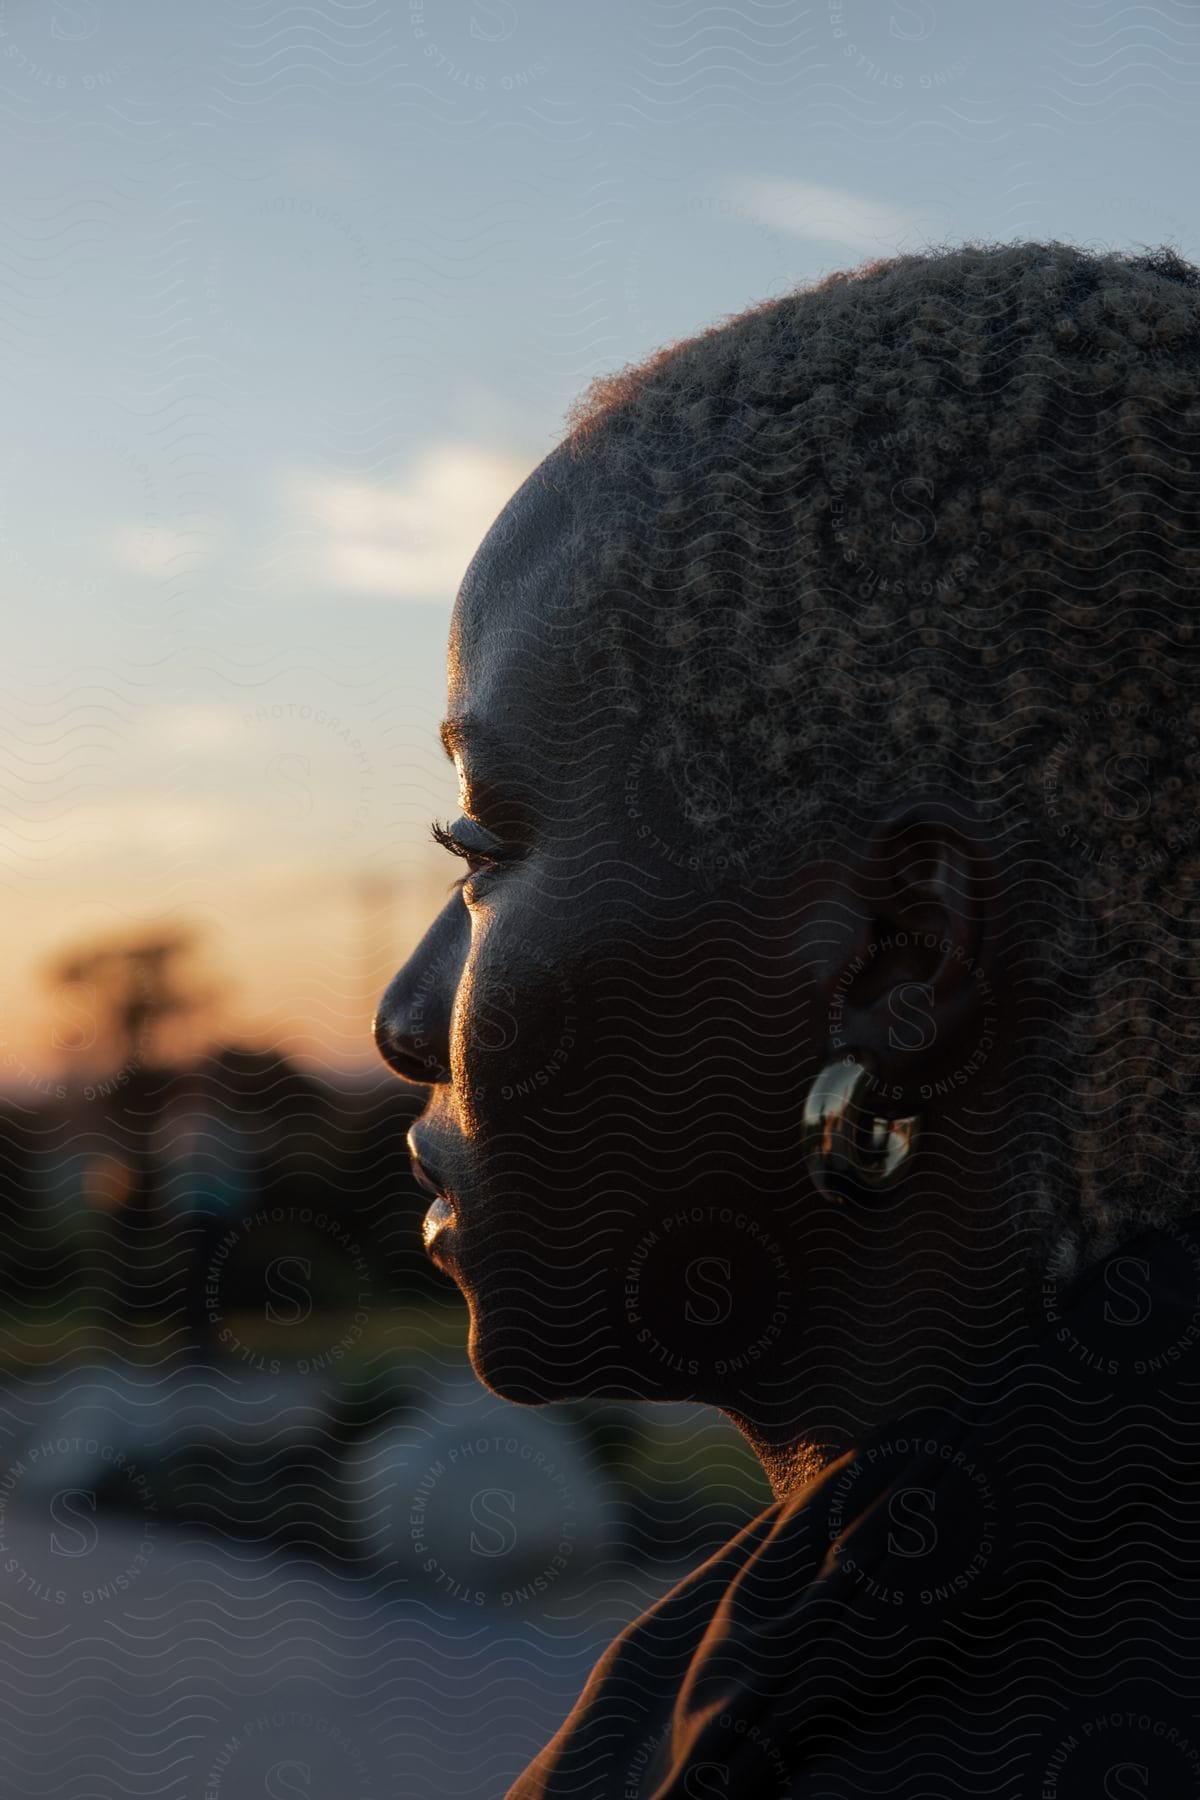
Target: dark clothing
(999, 1602)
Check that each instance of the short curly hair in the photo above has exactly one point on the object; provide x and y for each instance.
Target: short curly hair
(938, 521)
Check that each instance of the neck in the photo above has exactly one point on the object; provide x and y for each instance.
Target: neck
(788, 1463)
(923, 1318)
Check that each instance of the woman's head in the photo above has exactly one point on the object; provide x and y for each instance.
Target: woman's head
(831, 691)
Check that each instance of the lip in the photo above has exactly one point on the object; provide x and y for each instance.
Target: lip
(440, 1216)
(427, 1178)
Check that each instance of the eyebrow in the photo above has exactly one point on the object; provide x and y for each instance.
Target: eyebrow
(451, 733)
(468, 733)
(486, 771)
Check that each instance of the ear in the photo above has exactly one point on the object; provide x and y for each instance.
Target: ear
(917, 987)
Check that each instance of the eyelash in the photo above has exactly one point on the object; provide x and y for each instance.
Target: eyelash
(482, 859)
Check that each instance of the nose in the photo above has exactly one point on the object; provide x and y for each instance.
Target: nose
(412, 1025)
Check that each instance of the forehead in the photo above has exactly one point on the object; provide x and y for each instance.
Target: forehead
(504, 613)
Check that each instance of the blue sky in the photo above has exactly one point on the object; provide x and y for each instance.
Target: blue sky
(291, 296)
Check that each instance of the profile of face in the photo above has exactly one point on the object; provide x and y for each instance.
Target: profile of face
(618, 1036)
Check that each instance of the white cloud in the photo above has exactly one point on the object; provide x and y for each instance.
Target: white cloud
(805, 209)
(147, 830)
(411, 539)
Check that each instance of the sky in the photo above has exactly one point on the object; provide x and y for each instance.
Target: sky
(293, 296)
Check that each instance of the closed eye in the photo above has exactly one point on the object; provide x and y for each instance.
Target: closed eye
(479, 857)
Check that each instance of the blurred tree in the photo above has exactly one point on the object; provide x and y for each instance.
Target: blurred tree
(129, 1004)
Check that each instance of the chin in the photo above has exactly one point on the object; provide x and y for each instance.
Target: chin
(530, 1367)
(518, 1362)
(524, 1383)
(542, 1332)
(521, 1346)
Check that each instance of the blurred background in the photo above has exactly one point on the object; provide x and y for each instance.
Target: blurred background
(291, 299)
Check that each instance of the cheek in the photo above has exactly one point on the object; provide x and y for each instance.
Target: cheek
(486, 1013)
(515, 1035)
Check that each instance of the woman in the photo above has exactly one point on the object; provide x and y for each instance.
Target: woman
(813, 1032)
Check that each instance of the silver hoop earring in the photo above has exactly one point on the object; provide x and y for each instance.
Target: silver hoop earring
(845, 1136)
